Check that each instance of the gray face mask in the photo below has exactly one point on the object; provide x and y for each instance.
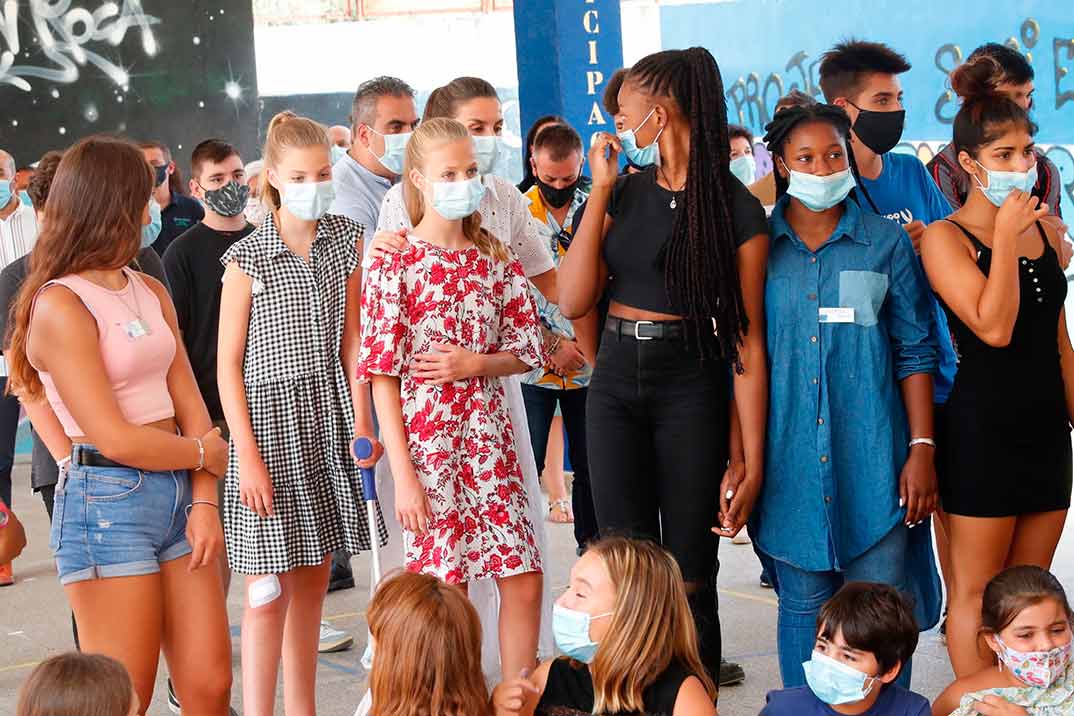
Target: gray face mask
(229, 200)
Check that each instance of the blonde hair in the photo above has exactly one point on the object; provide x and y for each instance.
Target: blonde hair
(432, 134)
(428, 650)
(651, 626)
(76, 684)
(287, 131)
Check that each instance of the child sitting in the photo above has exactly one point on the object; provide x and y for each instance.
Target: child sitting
(427, 639)
(865, 634)
(1025, 621)
(77, 684)
(630, 642)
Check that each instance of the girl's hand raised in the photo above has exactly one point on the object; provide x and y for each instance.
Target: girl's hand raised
(604, 159)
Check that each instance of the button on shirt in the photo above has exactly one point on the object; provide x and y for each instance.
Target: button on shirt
(505, 214)
(359, 194)
(18, 233)
(837, 427)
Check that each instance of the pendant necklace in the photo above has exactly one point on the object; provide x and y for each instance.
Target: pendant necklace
(674, 192)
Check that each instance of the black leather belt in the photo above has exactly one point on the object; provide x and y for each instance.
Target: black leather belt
(86, 457)
(645, 330)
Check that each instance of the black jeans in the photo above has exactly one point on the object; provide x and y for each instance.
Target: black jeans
(540, 409)
(658, 429)
(9, 428)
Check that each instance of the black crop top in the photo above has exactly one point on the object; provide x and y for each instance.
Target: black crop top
(643, 220)
(569, 690)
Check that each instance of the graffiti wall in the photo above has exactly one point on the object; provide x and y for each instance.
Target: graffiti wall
(767, 48)
(174, 70)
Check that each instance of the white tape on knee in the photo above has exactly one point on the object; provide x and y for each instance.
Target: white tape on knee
(264, 591)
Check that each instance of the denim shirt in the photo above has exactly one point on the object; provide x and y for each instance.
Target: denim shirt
(837, 428)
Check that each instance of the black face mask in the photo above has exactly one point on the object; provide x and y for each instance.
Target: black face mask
(162, 174)
(557, 198)
(880, 131)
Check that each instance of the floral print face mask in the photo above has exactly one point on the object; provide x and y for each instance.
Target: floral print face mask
(1039, 669)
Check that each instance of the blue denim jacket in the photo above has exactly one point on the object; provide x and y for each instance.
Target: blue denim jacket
(837, 427)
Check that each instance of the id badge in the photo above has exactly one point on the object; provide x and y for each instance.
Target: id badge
(836, 315)
(138, 328)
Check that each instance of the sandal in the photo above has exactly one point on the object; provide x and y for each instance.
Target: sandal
(563, 507)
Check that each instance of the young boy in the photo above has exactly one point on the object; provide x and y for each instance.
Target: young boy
(865, 634)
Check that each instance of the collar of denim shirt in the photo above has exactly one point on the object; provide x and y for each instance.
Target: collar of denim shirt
(850, 226)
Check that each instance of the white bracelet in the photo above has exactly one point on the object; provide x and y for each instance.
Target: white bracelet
(201, 454)
(923, 441)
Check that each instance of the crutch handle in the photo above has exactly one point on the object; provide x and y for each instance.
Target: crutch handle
(362, 449)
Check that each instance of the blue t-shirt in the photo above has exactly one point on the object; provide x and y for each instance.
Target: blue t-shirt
(904, 192)
(894, 701)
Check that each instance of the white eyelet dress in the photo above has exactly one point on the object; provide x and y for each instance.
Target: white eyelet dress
(300, 403)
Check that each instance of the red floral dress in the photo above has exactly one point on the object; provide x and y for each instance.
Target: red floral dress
(460, 435)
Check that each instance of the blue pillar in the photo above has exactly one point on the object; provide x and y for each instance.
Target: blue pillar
(567, 50)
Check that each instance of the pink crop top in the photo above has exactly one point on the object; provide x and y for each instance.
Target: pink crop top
(137, 347)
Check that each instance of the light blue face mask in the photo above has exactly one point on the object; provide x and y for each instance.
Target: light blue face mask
(24, 197)
(745, 168)
(486, 151)
(5, 193)
(1001, 184)
(151, 231)
(820, 193)
(394, 151)
(309, 201)
(571, 631)
(457, 199)
(336, 153)
(834, 683)
(640, 156)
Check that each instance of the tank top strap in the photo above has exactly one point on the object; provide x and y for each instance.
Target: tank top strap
(1044, 237)
(973, 239)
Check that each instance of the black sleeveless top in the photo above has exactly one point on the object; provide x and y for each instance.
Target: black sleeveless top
(1006, 448)
(569, 690)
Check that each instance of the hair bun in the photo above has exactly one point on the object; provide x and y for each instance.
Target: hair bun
(281, 118)
(977, 80)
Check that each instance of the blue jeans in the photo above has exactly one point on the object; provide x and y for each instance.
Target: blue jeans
(802, 594)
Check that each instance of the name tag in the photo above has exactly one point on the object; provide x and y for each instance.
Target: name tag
(836, 315)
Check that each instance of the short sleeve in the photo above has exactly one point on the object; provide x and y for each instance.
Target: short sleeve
(348, 233)
(527, 234)
(384, 323)
(747, 214)
(242, 253)
(520, 334)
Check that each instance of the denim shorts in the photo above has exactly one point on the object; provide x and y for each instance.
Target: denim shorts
(118, 522)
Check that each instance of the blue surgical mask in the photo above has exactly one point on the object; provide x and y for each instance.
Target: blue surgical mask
(640, 156)
(24, 197)
(394, 151)
(820, 193)
(1000, 184)
(457, 199)
(151, 231)
(309, 201)
(834, 683)
(486, 151)
(571, 631)
(336, 153)
(5, 193)
(745, 168)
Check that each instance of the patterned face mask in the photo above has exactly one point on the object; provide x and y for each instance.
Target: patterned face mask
(1035, 668)
(229, 200)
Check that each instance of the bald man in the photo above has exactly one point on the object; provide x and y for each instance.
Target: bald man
(340, 136)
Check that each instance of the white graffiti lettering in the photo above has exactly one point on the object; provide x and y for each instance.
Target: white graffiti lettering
(62, 33)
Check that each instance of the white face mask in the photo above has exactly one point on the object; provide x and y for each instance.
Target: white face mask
(254, 211)
(486, 151)
(457, 199)
(309, 200)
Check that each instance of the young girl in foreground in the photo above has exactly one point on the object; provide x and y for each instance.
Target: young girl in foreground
(288, 325)
(631, 647)
(458, 485)
(78, 685)
(1026, 621)
(428, 642)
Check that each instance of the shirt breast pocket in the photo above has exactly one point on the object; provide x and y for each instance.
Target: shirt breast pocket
(864, 291)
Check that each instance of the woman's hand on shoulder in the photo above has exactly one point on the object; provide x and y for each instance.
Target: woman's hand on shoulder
(386, 243)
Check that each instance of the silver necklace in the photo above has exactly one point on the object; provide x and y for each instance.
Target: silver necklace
(674, 192)
(139, 327)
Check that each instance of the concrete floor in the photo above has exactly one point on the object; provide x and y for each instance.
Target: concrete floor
(34, 622)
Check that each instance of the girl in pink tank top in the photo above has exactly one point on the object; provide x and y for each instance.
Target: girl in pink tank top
(94, 350)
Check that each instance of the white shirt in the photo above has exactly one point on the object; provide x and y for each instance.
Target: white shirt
(505, 214)
(18, 233)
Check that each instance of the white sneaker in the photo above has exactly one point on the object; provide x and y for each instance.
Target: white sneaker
(333, 640)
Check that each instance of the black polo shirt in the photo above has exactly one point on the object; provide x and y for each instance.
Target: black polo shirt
(179, 216)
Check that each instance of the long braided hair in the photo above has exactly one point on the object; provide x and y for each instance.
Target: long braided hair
(779, 130)
(700, 272)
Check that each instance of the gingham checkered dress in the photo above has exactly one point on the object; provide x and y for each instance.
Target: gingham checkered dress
(300, 403)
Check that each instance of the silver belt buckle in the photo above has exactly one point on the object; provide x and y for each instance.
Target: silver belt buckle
(639, 324)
